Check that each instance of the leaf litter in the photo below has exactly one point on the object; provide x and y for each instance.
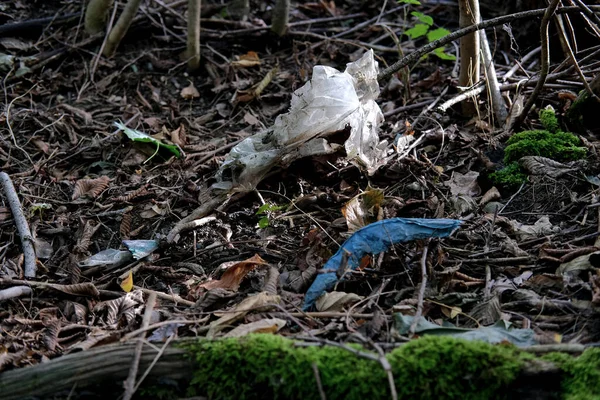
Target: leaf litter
(522, 267)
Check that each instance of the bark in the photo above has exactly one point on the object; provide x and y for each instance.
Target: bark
(469, 50)
(281, 16)
(193, 36)
(120, 29)
(96, 14)
(106, 365)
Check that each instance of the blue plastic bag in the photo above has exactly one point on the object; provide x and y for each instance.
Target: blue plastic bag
(375, 238)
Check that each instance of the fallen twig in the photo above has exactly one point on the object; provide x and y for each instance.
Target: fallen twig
(29, 262)
(135, 363)
(419, 312)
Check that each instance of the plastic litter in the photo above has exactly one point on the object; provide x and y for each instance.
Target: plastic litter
(141, 248)
(107, 258)
(374, 239)
(328, 103)
(501, 331)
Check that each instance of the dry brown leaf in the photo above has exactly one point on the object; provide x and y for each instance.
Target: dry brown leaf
(125, 227)
(50, 335)
(233, 275)
(537, 165)
(464, 184)
(491, 195)
(252, 303)
(335, 301)
(83, 243)
(125, 308)
(79, 289)
(249, 59)
(179, 136)
(190, 92)
(267, 325)
(90, 187)
(363, 209)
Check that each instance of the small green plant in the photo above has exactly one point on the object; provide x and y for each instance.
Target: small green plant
(425, 29)
(266, 212)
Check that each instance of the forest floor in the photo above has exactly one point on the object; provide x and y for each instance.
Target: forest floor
(522, 260)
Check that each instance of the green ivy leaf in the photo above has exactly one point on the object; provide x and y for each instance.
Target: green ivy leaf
(443, 55)
(413, 2)
(263, 222)
(417, 31)
(437, 34)
(426, 19)
(268, 207)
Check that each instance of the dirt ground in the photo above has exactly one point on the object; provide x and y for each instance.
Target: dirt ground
(524, 254)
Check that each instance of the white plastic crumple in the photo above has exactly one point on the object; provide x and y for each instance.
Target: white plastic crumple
(329, 102)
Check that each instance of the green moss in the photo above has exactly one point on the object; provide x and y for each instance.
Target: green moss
(582, 380)
(267, 366)
(559, 146)
(509, 176)
(438, 367)
(549, 120)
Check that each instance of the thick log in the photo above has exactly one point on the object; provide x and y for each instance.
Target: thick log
(107, 365)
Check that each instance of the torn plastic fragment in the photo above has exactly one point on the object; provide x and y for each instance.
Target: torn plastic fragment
(328, 103)
(107, 258)
(141, 248)
(374, 239)
(501, 331)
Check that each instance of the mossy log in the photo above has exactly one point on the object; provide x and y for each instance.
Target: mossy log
(105, 365)
(269, 366)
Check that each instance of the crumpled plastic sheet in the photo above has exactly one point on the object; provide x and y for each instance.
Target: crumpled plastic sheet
(501, 331)
(375, 238)
(329, 102)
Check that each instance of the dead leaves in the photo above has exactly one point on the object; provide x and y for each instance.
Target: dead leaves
(234, 273)
(190, 92)
(90, 187)
(363, 209)
(259, 302)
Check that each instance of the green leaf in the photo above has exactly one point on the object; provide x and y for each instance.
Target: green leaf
(262, 209)
(138, 136)
(263, 222)
(443, 55)
(426, 19)
(417, 31)
(437, 34)
(268, 207)
(413, 2)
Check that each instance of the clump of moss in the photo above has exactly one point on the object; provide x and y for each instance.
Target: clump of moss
(549, 120)
(559, 146)
(582, 374)
(549, 142)
(509, 176)
(266, 366)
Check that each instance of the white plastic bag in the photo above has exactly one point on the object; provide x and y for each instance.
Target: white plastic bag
(329, 102)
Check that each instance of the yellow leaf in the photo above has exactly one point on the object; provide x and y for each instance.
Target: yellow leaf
(451, 312)
(127, 282)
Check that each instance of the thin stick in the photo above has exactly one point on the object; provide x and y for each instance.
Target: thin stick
(545, 59)
(318, 379)
(417, 317)
(165, 296)
(498, 105)
(29, 258)
(135, 363)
